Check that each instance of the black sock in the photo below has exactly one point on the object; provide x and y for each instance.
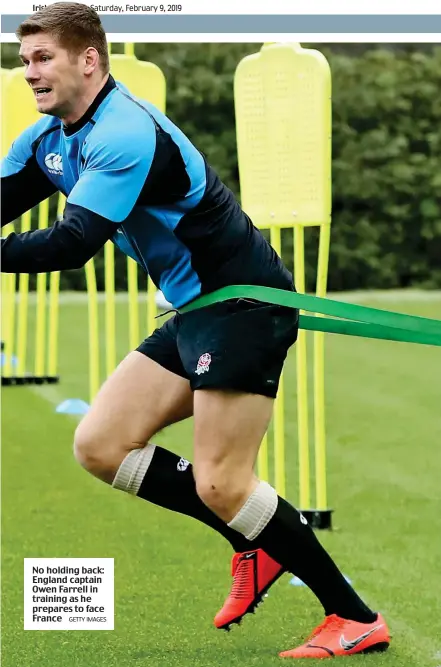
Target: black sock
(294, 545)
(168, 483)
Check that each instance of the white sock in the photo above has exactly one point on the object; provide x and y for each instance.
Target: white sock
(257, 512)
(133, 469)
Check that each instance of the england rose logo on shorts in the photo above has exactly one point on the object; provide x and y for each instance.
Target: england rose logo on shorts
(203, 364)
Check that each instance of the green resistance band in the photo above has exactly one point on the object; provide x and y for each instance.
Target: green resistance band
(356, 320)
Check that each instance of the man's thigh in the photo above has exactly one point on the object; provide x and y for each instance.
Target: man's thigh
(234, 354)
(145, 393)
(228, 429)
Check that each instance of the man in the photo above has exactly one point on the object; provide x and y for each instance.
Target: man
(130, 175)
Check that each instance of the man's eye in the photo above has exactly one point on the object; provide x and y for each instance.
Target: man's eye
(45, 58)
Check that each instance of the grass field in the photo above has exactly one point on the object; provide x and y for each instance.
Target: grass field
(172, 574)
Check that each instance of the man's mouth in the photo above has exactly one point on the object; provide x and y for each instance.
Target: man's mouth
(41, 92)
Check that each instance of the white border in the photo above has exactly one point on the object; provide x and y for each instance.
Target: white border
(202, 7)
(245, 38)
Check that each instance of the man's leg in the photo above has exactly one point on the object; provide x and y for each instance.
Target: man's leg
(148, 391)
(139, 399)
(229, 427)
(112, 442)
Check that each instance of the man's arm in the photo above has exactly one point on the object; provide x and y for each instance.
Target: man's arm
(23, 183)
(23, 190)
(68, 244)
(105, 194)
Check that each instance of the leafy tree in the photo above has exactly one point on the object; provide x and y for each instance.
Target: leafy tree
(386, 229)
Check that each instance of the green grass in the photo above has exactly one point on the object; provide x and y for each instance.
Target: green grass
(172, 574)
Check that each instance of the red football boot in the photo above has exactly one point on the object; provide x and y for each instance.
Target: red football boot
(253, 573)
(339, 636)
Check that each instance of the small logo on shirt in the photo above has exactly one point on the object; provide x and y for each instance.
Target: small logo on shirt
(203, 364)
(54, 163)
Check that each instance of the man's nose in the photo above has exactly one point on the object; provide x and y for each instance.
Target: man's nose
(32, 73)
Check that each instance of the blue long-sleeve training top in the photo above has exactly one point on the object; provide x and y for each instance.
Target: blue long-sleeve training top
(131, 175)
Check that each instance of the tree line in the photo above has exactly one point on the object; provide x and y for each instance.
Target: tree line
(386, 163)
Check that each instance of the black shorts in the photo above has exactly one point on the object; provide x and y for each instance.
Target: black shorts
(238, 344)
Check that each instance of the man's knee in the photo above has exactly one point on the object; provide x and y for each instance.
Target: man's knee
(97, 452)
(222, 492)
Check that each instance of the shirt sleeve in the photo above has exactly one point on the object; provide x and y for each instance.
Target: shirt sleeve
(68, 244)
(23, 188)
(115, 171)
(23, 183)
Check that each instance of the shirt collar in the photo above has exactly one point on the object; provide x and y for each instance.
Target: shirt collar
(81, 122)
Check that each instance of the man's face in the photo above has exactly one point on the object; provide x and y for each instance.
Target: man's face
(55, 75)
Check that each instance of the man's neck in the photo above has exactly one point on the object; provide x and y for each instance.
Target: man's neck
(84, 102)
